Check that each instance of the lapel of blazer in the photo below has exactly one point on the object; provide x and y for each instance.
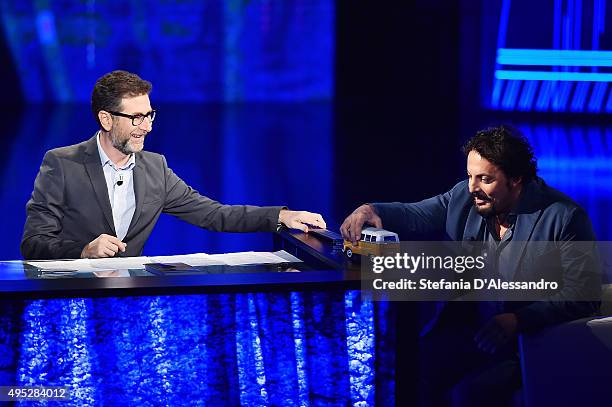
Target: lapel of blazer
(471, 232)
(93, 166)
(529, 210)
(140, 189)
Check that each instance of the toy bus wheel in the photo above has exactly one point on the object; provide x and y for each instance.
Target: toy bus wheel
(348, 253)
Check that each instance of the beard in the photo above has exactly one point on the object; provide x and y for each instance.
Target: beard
(484, 211)
(121, 144)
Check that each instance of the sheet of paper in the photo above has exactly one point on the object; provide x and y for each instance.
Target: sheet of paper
(119, 263)
(195, 259)
(63, 265)
(91, 265)
(242, 258)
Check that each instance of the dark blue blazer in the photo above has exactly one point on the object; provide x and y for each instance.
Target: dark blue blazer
(543, 214)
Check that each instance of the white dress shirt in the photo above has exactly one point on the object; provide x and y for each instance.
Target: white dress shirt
(120, 185)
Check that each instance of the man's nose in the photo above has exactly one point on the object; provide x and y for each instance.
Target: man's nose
(473, 185)
(146, 124)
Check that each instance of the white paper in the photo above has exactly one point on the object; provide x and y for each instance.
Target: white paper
(119, 263)
(242, 258)
(195, 259)
(63, 265)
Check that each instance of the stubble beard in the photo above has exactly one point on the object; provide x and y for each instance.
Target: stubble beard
(122, 145)
(486, 212)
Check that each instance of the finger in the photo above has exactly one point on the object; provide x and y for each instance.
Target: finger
(356, 225)
(320, 222)
(344, 229)
(114, 240)
(315, 219)
(111, 246)
(106, 252)
(298, 224)
(377, 222)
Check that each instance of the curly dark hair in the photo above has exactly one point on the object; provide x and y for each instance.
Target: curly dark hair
(112, 87)
(507, 148)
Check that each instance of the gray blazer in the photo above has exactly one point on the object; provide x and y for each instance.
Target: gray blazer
(70, 206)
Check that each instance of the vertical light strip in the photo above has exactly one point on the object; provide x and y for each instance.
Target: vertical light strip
(577, 103)
(502, 32)
(512, 88)
(299, 339)
(74, 335)
(158, 335)
(260, 370)
(251, 373)
(557, 25)
(577, 25)
(361, 348)
(597, 96)
(527, 95)
(595, 32)
(602, 16)
(35, 352)
(498, 85)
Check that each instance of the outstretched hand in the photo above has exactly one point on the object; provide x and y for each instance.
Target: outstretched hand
(301, 220)
(352, 225)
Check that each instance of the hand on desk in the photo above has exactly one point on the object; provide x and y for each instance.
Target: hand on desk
(352, 225)
(103, 246)
(300, 219)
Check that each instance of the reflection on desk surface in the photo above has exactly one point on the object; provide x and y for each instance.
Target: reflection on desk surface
(193, 263)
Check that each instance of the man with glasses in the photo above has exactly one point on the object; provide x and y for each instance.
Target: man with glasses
(102, 197)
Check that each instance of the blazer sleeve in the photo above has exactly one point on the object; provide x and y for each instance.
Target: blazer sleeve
(44, 214)
(581, 277)
(418, 219)
(187, 204)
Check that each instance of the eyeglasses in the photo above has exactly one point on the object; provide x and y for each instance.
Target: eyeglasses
(137, 119)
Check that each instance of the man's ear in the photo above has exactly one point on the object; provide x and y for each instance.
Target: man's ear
(106, 120)
(516, 181)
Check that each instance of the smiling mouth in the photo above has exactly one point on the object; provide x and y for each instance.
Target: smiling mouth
(480, 201)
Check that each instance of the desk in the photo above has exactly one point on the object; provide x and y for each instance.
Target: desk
(256, 337)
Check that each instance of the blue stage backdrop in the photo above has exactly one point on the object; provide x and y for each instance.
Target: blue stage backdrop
(578, 161)
(548, 56)
(261, 349)
(249, 153)
(192, 50)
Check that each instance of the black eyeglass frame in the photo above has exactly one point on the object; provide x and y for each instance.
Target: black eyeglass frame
(135, 117)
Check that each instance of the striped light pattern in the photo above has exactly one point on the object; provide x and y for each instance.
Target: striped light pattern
(250, 349)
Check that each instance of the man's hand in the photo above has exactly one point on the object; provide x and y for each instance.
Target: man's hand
(300, 219)
(352, 225)
(103, 246)
(497, 332)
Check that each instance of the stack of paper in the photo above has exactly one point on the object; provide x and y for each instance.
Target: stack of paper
(195, 259)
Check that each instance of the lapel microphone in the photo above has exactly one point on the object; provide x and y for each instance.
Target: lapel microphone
(120, 181)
